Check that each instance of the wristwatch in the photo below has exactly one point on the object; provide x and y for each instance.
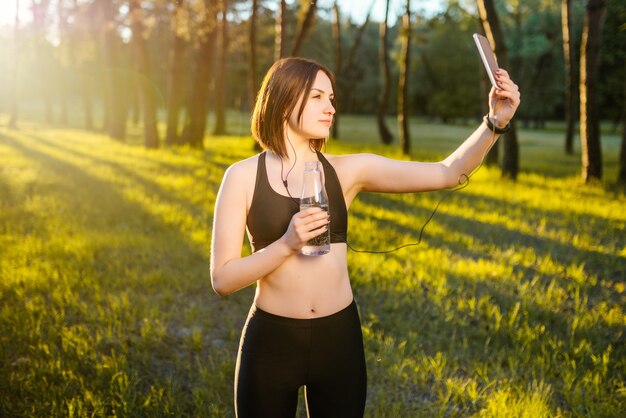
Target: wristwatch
(494, 128)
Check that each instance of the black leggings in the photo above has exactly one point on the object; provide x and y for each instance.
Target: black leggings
(277, 355)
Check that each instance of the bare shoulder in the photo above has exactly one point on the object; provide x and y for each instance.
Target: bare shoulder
(243, 169)
(238, 183)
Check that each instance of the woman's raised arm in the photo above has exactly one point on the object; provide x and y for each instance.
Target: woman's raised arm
(367, 172)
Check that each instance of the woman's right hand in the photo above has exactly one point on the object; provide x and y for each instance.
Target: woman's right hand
(305, 225)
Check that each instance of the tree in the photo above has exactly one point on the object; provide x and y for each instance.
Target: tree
(305, 26)
(220, 114)
(346, 74)
(403, 88)
(65, 46)
(589, 115)
(197, 108)
(148, 98)
(611, 97)
(40, 12)
(15, 67)
(383, 100)
(451, 89)
(252, 81)
(281, 30)
(338, 58)
(115, 103)
(180, 31)
(566, 24)
(491, 26)
(621, 177)
(80, 34)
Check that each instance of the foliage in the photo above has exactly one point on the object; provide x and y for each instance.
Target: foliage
(538, 52)
(513, 305)
(613, 62)
(443, 43)
(450, 86)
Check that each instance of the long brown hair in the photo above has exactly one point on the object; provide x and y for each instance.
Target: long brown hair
(285, 82)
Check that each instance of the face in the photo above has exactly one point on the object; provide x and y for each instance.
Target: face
(317, 116)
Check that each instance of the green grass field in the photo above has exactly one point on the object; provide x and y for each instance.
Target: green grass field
(512, 306)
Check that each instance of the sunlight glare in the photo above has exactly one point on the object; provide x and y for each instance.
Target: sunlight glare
(7, 12)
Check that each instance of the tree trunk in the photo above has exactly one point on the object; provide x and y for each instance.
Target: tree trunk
(491, 26)
(193, 134)
(383, 100)
(148, 97)
(63, 67)
(356, 43)
(84, 86)
(40, 11)
(307, 24)
(345, 73)
(85, 94)
(336, 29)
(134, 84)
(543, 65)
(621, 177)
(14, 68)
(589, 115)
(175, 94)
(115, 106)
(281, 30)
(220, 113)
(566, 24)
(403, 123)
(252, 83)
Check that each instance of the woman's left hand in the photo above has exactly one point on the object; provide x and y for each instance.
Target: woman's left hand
(504, 101)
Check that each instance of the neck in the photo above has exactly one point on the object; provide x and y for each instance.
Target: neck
(298, 152)
(298, 148)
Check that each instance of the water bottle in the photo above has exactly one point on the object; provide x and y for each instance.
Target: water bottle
(314, 195)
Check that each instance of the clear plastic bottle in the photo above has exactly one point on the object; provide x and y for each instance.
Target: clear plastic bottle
(314, 195)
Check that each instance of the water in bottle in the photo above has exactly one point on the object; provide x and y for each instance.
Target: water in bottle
(314, 195)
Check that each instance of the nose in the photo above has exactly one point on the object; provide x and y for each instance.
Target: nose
(330, 109)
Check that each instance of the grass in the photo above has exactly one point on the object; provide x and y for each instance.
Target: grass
(512, 306)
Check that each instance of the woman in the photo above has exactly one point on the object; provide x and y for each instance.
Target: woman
(303, 328)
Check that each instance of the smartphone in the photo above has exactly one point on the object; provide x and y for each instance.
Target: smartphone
(486, 54)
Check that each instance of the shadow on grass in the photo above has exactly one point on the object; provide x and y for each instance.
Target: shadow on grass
(169, 273)
(146, 184)
(539, 345)
(551, 342)
(489, 234)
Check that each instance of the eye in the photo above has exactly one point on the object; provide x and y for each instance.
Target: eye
(317, 96)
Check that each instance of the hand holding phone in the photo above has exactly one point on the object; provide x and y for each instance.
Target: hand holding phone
(487, 56)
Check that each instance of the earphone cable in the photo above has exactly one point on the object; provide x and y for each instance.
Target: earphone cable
(464, 181)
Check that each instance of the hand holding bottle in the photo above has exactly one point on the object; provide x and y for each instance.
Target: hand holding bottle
(314, 196)
(306, 225)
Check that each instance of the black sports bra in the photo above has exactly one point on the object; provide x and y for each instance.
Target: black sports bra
(270, 212)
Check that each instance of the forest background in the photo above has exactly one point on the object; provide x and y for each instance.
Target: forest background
(118, 119)
(199, 57)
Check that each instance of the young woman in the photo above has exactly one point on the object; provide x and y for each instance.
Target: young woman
(303, 328)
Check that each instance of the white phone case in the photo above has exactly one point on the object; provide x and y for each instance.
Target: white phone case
(487, 56)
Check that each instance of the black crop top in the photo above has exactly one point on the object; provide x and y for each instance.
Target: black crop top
(270, 212)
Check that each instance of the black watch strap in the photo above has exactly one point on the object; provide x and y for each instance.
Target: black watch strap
(494, 128)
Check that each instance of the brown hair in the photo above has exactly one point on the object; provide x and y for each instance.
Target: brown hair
(285, 82)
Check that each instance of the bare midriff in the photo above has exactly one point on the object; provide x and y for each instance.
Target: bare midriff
(307, 287)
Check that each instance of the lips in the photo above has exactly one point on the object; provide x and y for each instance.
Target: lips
(326, 121)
